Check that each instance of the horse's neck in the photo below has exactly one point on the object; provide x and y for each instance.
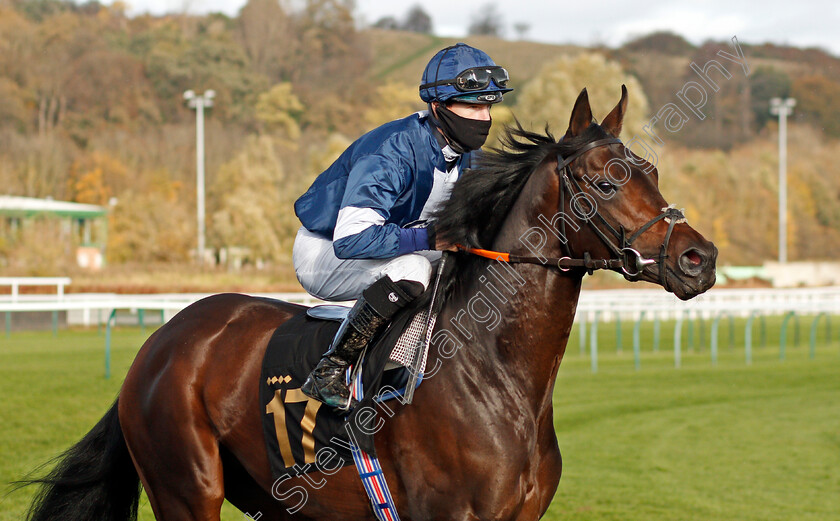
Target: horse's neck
(519, 343)
(531, 308)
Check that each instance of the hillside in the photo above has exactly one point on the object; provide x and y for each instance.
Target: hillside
(401, 56)
(737, 205)
(91, 110)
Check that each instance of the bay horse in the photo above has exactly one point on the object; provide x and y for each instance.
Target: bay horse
(478, 441)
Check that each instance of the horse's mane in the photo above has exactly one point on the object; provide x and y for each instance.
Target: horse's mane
(482, 197)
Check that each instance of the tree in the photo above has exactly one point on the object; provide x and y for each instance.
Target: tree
(176, 62)
(250, 203)
(417, 21)
(388, 23)
(551, 94)
(280, 110)
(165, 231)
(63, 37)
(394, 100)
(330, 71)
(97, 176)
(818, 102)
(40, 10)
(108, 87)
(487, 22)
(522, 29)
(268, 35)
(766, 83)
(664, 42)
(13, 101)
(18, 46)
(331, 51)
(728, 112)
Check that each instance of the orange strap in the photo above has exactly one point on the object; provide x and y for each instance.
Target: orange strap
(562, 263)
(490, 254)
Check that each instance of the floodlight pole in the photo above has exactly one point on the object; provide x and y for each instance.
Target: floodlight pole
(198, 103)
(782, 108)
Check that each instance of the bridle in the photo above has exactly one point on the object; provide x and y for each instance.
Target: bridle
(626, 258)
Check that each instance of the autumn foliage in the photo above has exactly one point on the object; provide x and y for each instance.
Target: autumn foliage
(91, 110)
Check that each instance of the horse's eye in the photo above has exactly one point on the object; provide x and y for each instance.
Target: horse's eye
(606, 187)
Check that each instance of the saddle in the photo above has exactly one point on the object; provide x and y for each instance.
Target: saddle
(297, 429)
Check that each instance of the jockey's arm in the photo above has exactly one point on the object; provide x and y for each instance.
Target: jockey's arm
(373, 187)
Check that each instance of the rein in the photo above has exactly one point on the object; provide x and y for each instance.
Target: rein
(627, 259)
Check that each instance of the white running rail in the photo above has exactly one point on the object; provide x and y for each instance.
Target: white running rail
(17, 282)
(609, 304)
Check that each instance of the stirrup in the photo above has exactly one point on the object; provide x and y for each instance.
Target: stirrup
(326, 383)
(372, 311)
(311, 390)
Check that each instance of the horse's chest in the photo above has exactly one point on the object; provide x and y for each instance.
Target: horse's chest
(525, 492)
(507, 473)
(522, 466)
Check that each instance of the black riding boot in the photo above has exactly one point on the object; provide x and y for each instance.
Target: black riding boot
(373, 310)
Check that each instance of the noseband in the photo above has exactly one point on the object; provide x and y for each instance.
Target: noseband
(626, 258)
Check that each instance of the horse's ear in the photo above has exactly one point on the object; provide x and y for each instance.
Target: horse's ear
(581, 115)
(612, 123)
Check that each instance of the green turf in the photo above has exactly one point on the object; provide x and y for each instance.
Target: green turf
(728, 442)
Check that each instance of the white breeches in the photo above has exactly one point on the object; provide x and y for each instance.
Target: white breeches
(327, 277)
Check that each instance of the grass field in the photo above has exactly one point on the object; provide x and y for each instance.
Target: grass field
(728, 442)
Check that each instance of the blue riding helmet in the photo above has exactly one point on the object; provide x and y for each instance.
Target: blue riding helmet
(465, 73)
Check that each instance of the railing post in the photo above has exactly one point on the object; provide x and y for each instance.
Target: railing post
(813, 342)
(783, 334)
(617, 332)
(637, 341)
(713, 341)
(593, 343)
(690, 332)
(656, 327)
(731, 332)
(828, 328)
(748, 338)
(763, 324)
(112, 317)
(677, 341)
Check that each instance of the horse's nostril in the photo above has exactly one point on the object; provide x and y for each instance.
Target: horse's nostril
(691, 262)
(694, 257)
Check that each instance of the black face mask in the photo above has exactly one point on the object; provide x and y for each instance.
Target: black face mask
(464, 134)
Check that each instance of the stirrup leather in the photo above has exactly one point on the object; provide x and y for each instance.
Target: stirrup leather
(372, 311)
(327, 382)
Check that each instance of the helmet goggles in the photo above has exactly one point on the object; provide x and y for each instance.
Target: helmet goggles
(475, 79)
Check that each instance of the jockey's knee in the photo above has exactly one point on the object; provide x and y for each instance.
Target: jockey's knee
(413, 267)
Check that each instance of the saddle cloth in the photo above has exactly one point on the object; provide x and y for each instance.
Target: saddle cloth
(302, 435)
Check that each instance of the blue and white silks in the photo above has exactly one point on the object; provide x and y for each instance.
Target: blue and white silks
(379, 184)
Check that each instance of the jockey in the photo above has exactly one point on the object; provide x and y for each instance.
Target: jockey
(361, 239)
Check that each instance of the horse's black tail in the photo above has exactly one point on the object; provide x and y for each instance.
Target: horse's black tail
(93, 480)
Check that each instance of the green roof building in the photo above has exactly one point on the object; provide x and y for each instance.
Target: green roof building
(84, 225)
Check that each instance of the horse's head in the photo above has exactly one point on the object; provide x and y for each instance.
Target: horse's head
(613, 195)
(586, 201)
